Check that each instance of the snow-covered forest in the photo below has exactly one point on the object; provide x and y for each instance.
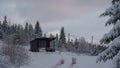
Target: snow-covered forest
(15, 44)
(15, 37)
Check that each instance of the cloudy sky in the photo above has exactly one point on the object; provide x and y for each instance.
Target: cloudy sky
(79, 17)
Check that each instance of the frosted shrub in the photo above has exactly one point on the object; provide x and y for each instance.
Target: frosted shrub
(4, 63)
(17, 54)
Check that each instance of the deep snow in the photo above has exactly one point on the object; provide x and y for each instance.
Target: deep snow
(52, 60)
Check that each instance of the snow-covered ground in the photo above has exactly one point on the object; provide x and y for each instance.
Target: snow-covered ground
(53, 60)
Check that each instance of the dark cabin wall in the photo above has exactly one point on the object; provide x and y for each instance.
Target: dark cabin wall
(34, 46)
(38, 43)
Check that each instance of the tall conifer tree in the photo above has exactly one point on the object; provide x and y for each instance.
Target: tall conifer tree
(62, 36)
(38, 30)
(62, 40)
(112, 38)
(31, 30)
(26, 27)
(5, 25)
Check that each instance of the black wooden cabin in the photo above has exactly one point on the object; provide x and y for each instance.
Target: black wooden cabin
(42, 42)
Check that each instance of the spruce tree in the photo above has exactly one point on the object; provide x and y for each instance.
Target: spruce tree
(26, 27)
(5, 25)
(31, 30)
(38, 30)
(13, 30)
(62, 40)
(1, 32)
(112, 38)
(57, 39)
(15, 27)
(19, 28)
(56, 42)
(76, 43)
(62, 36)
(0, 26)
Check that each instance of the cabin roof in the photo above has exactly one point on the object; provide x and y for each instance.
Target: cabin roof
(44, 39)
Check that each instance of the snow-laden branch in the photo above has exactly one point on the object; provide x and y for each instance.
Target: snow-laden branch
(111, 51)
(112, 34)
(113, 13)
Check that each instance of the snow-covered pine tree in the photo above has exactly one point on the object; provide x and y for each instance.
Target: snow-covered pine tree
(56, 42)
(57, 39)
(62, 35)
(5, 25)
(70, 45)
(38, 30)
(15, 27)
(13, 30)
(0, 25)
(19, 28)
(26, 27)
(112, 38)
(1, 31)
(73, 46)
(62, 39)
(31, 31)
(83, 45)
(76, 43)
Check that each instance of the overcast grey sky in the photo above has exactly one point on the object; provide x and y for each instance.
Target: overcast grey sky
(79, 17)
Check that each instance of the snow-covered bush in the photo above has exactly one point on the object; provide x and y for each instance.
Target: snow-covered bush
(4, 63)
(17, 54)
(19, 38)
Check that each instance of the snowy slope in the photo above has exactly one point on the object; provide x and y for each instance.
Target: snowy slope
(53, 60)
